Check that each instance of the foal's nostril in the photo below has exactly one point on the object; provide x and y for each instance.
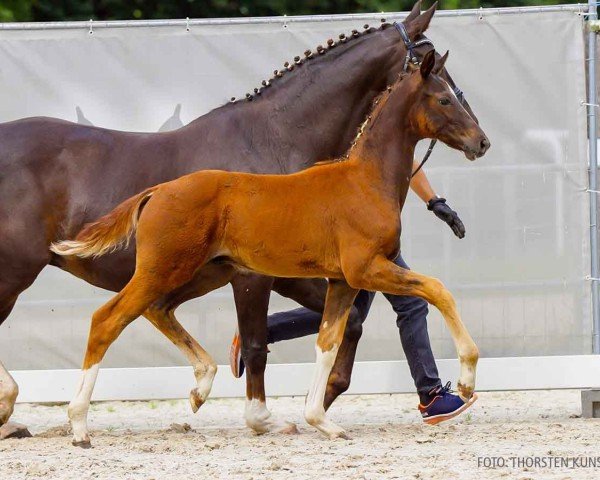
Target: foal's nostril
(485, 144)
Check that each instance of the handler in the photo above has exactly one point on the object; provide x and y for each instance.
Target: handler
(437, 402)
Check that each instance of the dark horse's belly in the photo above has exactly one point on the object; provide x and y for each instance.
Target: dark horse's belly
(56, 176)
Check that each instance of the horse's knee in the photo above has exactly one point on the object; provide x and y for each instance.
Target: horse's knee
(314, 414)
(441, 293)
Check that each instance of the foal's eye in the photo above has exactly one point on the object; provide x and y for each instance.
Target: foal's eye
(444, 101)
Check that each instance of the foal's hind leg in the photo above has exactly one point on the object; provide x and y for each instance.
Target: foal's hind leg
(204, 366)
(107, 324)
(251, 294)
(331, 333)
(162, 315)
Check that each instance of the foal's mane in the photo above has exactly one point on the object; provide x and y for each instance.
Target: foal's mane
(311, 56)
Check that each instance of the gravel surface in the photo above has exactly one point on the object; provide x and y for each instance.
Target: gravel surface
(164, 440)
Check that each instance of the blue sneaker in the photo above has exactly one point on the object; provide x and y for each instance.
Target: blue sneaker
(444, 406)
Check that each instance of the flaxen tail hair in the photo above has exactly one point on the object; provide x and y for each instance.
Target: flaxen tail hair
(109, 233)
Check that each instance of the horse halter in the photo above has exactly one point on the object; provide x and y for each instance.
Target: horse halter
(412, 58)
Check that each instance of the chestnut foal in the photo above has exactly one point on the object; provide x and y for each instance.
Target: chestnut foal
(339, 220)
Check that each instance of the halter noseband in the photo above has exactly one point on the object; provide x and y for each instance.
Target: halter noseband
(412, 58)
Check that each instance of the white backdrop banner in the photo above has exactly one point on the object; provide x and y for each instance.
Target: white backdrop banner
(519, 275)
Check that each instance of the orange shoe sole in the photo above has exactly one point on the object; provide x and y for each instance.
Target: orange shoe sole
(234, 355)
(442, 418)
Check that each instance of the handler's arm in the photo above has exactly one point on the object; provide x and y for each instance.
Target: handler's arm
(421, 186)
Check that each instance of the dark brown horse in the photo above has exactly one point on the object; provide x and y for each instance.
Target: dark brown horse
(55, 176)
(339, 221)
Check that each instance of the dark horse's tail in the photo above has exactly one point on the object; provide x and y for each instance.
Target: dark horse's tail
(109, 233)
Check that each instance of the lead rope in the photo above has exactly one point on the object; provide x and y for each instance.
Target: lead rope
(426, 157)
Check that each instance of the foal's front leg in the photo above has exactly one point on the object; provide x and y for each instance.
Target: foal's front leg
(380, 274)
(311, 293)
(331, 333)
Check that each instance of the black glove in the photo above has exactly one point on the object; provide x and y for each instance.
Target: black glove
(444, 212)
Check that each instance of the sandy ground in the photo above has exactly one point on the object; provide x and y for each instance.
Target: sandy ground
(136, 440)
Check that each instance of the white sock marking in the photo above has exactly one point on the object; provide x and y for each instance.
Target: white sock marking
(314, 410)
(79, 406)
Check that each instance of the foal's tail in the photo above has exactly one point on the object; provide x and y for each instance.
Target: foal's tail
(109, 233)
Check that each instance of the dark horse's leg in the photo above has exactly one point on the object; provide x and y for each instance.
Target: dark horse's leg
(8, 387)
(305, 321)
(23, 255)
(251, 293)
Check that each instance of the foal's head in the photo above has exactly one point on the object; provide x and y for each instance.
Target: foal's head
(436, 112)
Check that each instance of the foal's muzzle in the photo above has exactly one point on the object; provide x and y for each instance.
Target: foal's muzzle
(477, 147)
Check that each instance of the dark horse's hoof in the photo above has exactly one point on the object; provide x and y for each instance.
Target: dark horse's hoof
(82, 444)
(14, 430)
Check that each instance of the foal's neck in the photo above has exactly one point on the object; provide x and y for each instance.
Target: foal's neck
(386, 143)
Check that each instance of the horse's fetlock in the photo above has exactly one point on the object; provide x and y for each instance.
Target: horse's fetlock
(313, 416)
(470, 356)
(211, 369)
(9, 389)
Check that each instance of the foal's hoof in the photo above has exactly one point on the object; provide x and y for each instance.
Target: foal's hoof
(195, 400)
(341, 434)
(288, 428)
(465, 393)
(82, 444)
(14, 430)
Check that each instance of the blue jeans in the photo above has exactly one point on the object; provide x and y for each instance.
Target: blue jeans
(411, 321)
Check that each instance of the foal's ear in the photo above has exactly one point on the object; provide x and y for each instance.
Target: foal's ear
(427, 64)
(421, 23)
(439, 65)
(414, 13)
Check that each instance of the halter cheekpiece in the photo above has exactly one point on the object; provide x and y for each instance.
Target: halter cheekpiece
(410, 45)
(412, 58)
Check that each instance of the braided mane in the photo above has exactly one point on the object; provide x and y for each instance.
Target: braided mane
(310, 55)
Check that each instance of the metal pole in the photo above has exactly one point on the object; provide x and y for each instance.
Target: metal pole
(593, 162)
